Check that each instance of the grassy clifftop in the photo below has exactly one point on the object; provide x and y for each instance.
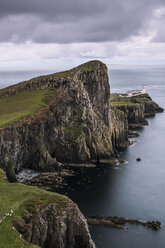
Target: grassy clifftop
(23, 201)
(14, 107)
(121, 100)
(91, 65)
(26, 102)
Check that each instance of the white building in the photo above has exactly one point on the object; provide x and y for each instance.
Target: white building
(144, 90)
(137, 92)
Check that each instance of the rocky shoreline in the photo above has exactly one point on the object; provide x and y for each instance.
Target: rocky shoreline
(128, 114)
(77, 127)
(118, 222)
(80, 125)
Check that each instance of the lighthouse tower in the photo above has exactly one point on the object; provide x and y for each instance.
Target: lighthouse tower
(144, 89)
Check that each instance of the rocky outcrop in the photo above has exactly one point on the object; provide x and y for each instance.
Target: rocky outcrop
(73, 127)
(119, 127)
(119, 222)
(134, 114)
(150, 107)
(40, 217)
(76, 125)
(129, 112)
(57, 226)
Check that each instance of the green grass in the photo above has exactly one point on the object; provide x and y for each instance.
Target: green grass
(13, 108)
(115, 104)
(26, 103)
(22, 199)
(117, 100)
(91, 65)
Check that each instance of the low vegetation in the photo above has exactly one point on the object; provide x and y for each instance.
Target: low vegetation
(121, 100)
(91, 65)
(22, 200)
(27, 102)
(14, 107)
(114, 104)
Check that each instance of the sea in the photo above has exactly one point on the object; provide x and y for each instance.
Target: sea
(135, 189)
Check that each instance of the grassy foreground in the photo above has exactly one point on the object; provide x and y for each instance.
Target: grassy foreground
(22, 200)
(13, 108)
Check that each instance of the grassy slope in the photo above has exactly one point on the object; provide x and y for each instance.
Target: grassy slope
(91, 65)
(117, 100)
(13, 108)
(20, 198)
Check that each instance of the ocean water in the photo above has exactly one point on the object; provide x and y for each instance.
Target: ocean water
(8, 78)
(135, 189)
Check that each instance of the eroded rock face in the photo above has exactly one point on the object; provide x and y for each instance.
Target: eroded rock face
(134, 114)
(81, 120)
(119, 127)
(74, 127)
(130, 113)
(58, 227)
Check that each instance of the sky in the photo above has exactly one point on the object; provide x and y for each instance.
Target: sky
(57, 34)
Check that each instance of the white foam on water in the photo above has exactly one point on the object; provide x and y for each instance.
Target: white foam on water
(26, 174)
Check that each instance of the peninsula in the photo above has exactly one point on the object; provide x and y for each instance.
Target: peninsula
(47, 122)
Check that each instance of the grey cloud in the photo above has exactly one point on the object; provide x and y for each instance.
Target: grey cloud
(46, 21)
(160, 30)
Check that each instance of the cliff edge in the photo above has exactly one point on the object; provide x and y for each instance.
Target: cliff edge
(66, 117)
(62, 117)
(31, 217)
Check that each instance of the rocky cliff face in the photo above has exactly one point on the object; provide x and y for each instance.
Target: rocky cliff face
(40, 217)
(134, 114)
(73, 127)
(76, 125)
(129, 112)
(119, 127)
(57, 226)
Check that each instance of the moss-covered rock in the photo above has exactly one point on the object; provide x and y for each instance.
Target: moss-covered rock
(136, 108)
(68, 119)
(73, 124)
(31, 217)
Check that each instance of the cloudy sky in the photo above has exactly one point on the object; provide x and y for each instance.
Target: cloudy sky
(36, 34)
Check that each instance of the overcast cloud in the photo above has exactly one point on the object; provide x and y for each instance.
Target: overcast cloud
(51, 29)
(74, 20)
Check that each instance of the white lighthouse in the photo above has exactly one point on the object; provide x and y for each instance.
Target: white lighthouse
(144, 89)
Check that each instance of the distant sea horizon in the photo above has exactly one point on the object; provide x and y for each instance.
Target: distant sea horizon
(10, 77)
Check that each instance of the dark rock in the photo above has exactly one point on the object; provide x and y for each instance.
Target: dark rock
(133, 134)
(57, 226)
(119, 127)
(138, 159)
(77, 126)
(121, 161)
(118, 222)
(74, 127)
(50, 181)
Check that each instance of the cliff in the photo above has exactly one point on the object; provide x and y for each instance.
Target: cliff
(127, 113)
(31, 217)
(66, 118)
(62, 117)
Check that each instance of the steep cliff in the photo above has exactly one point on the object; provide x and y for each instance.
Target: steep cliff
(31, 217)
(150, 107)
(66, 117)
(136, 108)
(129, 112)
(71, 122)
(119, 128)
